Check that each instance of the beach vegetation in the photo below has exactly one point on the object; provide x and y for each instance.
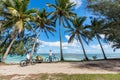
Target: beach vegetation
(109, 11)
(67, 77)
(63, 11)
(79, 32)
(20, 27)
(42, 23)
(15, 15)
(81, 77)
(97, 28)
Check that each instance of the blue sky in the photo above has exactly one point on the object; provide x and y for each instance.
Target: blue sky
(75, 47)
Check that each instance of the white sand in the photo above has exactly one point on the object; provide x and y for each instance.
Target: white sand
(90, 67)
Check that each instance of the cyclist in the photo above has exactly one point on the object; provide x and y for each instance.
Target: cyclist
(28, 56)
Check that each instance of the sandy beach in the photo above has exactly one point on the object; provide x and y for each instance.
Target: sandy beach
(88, 67)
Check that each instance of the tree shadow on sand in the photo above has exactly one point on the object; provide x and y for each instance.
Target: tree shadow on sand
(108, 65)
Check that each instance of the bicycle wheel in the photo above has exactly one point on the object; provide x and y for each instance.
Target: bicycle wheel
(23, 63)
(55, 59)
(33, 61)
(47, 59)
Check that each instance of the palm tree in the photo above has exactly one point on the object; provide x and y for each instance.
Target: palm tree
(79, 32)
(97, 28)
(42, 24)
(16, 15)
(63, 10)
(22, 44)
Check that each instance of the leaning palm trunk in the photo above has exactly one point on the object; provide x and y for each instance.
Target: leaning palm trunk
(61, 53)
(7, 51)
(33, 48)
(101, 48)
(86, 58)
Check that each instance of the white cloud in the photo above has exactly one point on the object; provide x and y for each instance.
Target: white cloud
(42, 46)
(77, 2)
(102, 36)
(68, 48)
(65, 47)
(57, 43)
(97, 46)
(75, 43)
(52, 44)
(74, 47)
(106, 46)
(67, 37)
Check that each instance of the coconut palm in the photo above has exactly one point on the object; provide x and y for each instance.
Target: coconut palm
(22, 44)
(97, 28)
(16, 15)
(63, 10)
(42, 24)
(79, 32)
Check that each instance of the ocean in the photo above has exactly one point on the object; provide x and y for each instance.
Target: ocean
(67, 56)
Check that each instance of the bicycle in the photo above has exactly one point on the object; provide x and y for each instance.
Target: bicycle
(54, 59)
(26, 62)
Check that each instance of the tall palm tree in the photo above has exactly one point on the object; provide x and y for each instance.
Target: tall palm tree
(16, 15)
(63, 10)
(43, 24)
(97, 28)
(79, 32)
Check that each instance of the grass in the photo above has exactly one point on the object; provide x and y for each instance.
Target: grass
(67, 77)
(81, 77)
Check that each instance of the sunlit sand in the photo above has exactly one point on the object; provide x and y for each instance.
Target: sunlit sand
(90, 67)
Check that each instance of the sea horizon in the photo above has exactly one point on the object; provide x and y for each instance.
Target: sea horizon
(67, 56)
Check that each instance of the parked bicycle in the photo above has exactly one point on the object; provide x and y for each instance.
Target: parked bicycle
(54, 59)
(26, 62)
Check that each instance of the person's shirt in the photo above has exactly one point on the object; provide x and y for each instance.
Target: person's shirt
(28, 56)
(50, 53)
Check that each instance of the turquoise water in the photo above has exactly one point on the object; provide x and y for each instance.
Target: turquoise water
(74, 57)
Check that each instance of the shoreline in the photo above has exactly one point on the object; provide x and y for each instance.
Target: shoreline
(85, 67)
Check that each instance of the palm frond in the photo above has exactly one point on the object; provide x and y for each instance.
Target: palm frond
(71, 39)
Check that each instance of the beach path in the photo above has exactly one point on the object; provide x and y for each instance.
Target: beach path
(88, 67)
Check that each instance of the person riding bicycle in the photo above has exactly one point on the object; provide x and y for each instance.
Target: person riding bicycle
(28, 56)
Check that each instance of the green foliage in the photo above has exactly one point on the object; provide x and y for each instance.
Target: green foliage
(43, 23)
(98, 28)
(77, 77)
(14, 16)
(79, 32)
(109, 10)
(63, 11)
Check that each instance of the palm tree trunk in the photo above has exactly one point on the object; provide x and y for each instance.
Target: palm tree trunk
(33, 48)
(61, 53)
(101, 47)
(86, 58)
(7, 51)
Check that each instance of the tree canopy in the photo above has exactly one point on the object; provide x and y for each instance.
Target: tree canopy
(110, 12)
